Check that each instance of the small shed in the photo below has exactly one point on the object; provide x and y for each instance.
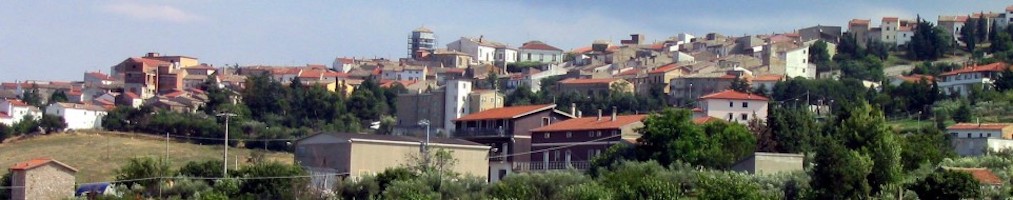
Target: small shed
(42, 179)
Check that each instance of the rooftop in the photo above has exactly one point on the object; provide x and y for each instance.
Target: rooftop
(994, 67)
(589, 81)
(732, 94)
(983, 175)
(506, 112)
(979, 126)
(665, 68)
(592, 123)
(858, 22)
(38, 162)
(539, 45)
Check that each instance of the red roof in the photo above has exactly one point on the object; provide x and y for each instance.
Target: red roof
(994, 67)
(148, 61)
(99, 75)
(916, 78)
(131, 95)
(704, 120)
(538, 45)
(589, 81)
(768, 77)
(592, 123)
(665, 68)
(855, 22)
(38, 162)
(17, 102)
(390, 83)
(732, 94)
(976, 126)
(890, 19)
(983, 175)
(506, 112)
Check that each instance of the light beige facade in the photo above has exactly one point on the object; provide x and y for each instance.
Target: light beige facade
(357, 155)
(485, 100)
(42, 180)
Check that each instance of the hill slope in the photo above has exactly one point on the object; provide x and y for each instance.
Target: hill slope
(97, 156)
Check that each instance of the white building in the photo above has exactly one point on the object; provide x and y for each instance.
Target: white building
(13, 111)
(537, 51)
(888, 30)
(981, 130)
(343, 65)
(484, 51)
(961, 80)
(406, 73)
(796, 62)
(734, 106)
(456, 102)
(78, 116)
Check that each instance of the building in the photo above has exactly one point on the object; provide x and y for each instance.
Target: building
(78, 116)
(831, 34)
(415, 107)
(352, 155)
(888, 28)
(762, 163)
(421, 43)
(482, 100)
(595, 86)
(859, 28)
(508, 131)
(484, 51)
(981, 130)
(789, 58)
(537, 51)
(984, 176)
(734, 106)
(13, 111)
(663, 75)
(405, 73)
(452, 59)
(153, 74)
(42, 179)
(961, 80)
(572, 143)
(766, 82)
(952, 25)
(88, 190)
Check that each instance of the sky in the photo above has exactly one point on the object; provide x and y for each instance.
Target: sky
(60, 40)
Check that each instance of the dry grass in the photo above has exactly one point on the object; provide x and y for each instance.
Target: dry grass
(98, 154)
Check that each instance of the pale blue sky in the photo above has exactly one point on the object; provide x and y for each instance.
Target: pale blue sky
(59, 40)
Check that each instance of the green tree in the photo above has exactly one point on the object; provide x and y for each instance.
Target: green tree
(1005, 80)
(740, 85)
(945, 184)
(640, 180)
(865, 131)
(982, 26)
(1001, 43)
(669, 136)
(840, 173)
(849, 47)
(32, 96)
(52, 123)
(202, 169)
(58, 96)
(145, 172)
(6, 181)
(273, 188)
(925, 147)
(968, 34)
(928, 42)
(536, 186)
(734, 142)
(963, 112)
(522, 95)
(5, 132)
(792, 128)
(877, 49)
(818, 53)
(586, 191)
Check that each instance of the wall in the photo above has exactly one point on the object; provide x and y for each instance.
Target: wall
(538, 55)
(455, 102)
(797, 63)
(979, 146)
(373, 158)
(77, 119)
(770, 163)
(47, 182)
(719, 108)
(975, 133)
(415, 107)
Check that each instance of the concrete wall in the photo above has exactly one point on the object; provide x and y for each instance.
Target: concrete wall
(979, 146)
(371, 158)
(770, 163)
(538, 55)
(44, 182)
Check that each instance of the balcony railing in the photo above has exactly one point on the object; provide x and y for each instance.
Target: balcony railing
(480, 132)
(549, 166)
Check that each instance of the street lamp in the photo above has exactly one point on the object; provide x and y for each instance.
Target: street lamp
(225, 157)
(425, 146)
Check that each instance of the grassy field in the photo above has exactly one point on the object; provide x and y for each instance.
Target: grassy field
(97, 154)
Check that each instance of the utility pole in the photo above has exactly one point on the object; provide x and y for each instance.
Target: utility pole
(425, 146)
(225, 157)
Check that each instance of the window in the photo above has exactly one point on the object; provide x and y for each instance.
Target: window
(731, 104)
(597, 134)
(529, 56)
(547, 135)
(614, 132)
(556, 158)
(744, 116)
(590, 134)
(730, 119)
(545, 121)
(968, 135)
(569, 134)
(745, 104)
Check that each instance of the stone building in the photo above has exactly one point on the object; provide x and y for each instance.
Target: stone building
(41, 179)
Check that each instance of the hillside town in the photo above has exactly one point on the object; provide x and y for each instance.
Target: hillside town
(885, 107)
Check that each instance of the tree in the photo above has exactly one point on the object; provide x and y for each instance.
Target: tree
(536, 186)
(982, 26)
(143, 171)
(792, 128)
(968, 34)
(272, 188)
(640, 180)
(734, 142)
(492, 80)
(925, 147)
(32, 96)
(928, 42)
(207, 168)
(58, 96)
(963, 113)
(877, 48)
(6, 181)
(946, 184)
(864, 130)
(5, 132)
(586, 191)
(1001, 42)
(818, 53)
(1005, 80)
(740, 85)
(849, 47)
(670, 136)
(840, 173)
(52, 123)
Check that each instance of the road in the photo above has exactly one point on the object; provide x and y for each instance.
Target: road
(902, 69)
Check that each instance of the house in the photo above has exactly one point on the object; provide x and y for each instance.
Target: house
(830, 34)
(351, 155)
(859, 28)
(766, 82)
(484, 51)
(663, 75)
(78, 116)
(410, 73)
(42, 179)
(152, 74)
(571, 144)
(763, 163)
(914, 78)
(537, 51)
(984, 176)
(981, 130)
(595, 86)
(734, 106)
(698, 84)
(952, 25)
(508, 131)
(789, 58)
(482, 100)
(98, 78)
(13, 111)
(343, 65)
(961, 80)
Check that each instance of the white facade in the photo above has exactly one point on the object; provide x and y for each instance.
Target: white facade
(734, 110)
(456, 102)
(903, 37)
(506, 55)
(888, 31)
(796, 63)
(78, 116)
(479, 53)
(405, 74)
(962, 83)
(343, 64)
(539, 55)
(970, 133)
(17, 111)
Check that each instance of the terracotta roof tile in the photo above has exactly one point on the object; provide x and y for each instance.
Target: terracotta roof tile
(505, 112)
(994, 67)
(99, 75)
(17, 102)
(704, 120)
(38, 162)
(82, 106)
(769, 77)
(975, 126)
(916, 78)
(665, 68)
(890, 19)
(983, 175)
(629, 72)
(732, 94)
(592, 123)
(856, 22)
(588, 81)
(538, 45)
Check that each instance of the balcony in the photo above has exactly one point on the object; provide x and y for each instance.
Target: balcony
(550, 166)
(480, 132)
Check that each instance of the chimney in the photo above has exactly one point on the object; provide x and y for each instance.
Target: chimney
(580, 114)
(613, 113)
(573, 109)
(599, 115)
(151, 54)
